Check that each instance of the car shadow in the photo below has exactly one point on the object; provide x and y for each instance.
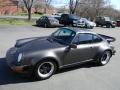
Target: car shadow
(8, 77)
(49, 27)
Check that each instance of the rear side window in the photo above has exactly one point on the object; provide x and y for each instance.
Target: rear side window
(83, 39)
(96, 39)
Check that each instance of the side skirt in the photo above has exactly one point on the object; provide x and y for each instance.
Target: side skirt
(73, 64)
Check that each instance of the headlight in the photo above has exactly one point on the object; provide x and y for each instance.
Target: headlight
(20, 57)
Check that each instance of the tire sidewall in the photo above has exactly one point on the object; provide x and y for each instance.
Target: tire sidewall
(36, 75)
(100, 58)
(108, 25)
(45, 25)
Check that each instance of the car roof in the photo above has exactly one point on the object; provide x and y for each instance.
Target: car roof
(79, 30)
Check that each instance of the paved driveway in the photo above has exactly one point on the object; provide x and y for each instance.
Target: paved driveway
(83, 77)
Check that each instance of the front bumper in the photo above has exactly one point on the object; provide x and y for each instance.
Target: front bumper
(21, 69)
(113, 52)
(79, 24)
(15, 66)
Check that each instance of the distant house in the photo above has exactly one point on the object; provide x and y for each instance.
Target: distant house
(12, 7)
(8, 7)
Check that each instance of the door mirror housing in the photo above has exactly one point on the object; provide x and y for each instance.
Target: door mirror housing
(73, 46)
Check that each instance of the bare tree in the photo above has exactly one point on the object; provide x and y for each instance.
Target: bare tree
(73, 5)
(38, 7)
(47, 4)
(28, 5)
(91, 8)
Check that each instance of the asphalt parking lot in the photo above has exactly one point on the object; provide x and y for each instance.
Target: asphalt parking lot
(83, 77)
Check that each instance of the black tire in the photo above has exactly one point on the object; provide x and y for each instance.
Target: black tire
(86, 26)
(43, 72)
(71, 25)
(97, 25)
(112, 26)
(101, 25)
(104, 58)
(91, 27)
(108, 26)
(46, 25)
(65, 25)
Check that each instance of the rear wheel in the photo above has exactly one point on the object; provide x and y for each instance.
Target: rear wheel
(105, 58)
(91, 27)
(45, 69)
(45, 25)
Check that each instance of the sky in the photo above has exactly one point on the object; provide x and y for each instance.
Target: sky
(59, 3)
(116, 4)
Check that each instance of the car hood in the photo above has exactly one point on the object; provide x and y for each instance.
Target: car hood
(39, 44)
(91, 23)
(24, 41)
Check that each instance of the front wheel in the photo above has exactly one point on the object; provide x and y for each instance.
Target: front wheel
(105, 58)
(45, 70)
(91, 27)
(108, 26)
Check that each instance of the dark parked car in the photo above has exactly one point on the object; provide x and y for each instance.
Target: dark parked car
(105, 21)
(118, 23)
(69, 19)
(48, 21)
(66, 47)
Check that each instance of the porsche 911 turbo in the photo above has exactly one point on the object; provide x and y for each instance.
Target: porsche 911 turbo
(67, 46)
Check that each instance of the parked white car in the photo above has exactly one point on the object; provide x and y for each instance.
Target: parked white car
(84, 23)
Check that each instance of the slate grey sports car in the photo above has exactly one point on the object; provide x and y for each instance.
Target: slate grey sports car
(42, 56)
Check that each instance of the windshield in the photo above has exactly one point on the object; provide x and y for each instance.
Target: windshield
(74, 16)
(107, 18)
(63, 35)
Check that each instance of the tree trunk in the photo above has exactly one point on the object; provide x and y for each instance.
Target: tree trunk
(45, 9)
(29, 14)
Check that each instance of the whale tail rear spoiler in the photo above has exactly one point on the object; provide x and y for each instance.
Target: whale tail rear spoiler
(108, 38)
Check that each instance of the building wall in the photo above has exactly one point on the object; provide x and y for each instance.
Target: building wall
(42, 10)
(7, 7)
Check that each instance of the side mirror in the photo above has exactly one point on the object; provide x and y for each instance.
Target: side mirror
(73, 46)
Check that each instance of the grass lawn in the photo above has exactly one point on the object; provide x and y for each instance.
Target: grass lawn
(16, 22)
(25, 14)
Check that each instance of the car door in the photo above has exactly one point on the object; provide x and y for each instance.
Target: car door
(42, 20)
(84, 51)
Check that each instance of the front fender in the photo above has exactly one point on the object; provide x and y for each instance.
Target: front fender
(44, 56)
